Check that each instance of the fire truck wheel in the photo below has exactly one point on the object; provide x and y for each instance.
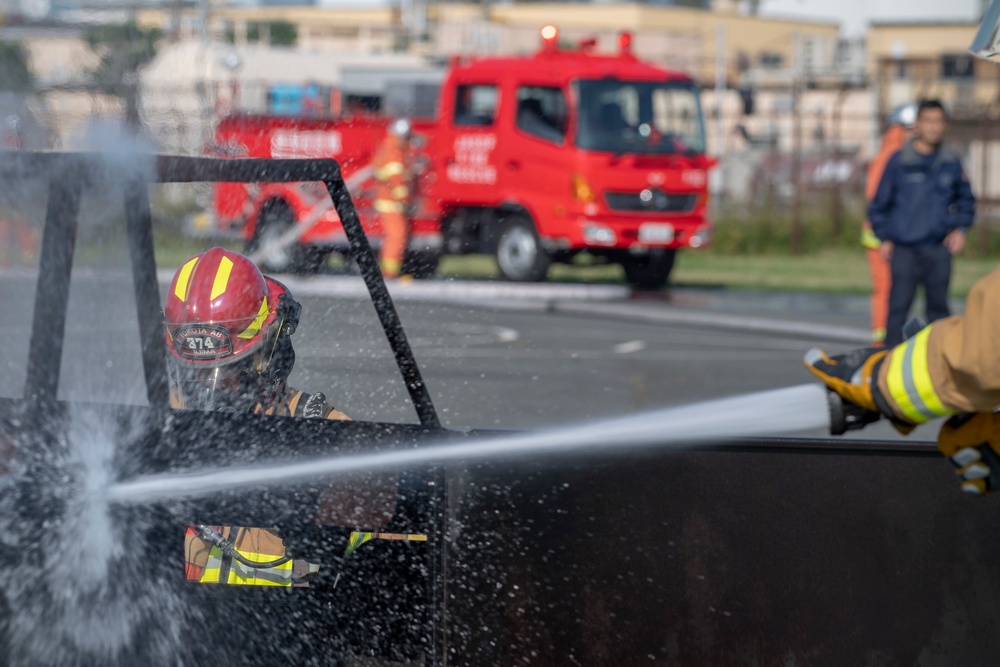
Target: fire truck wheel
(421, 264)
(279, 256)
(650, 271)
(520, 255)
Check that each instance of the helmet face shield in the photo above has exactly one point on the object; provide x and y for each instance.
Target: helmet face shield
(230, 388)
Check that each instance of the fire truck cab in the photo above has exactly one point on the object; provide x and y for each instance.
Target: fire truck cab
(535, 159)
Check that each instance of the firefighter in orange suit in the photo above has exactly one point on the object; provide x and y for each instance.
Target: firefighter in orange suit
(228, 332)
(900, 127)
(18, 240)
(949, 369)
(392, 195)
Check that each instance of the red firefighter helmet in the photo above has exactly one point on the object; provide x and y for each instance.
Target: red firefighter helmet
(227, 328)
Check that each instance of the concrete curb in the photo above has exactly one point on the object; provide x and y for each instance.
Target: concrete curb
(590, 300)
(466, 291)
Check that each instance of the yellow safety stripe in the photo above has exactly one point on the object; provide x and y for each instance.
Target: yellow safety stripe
(258, 321)
(388, 170)
(869, 240)
(391, 266)
(387, 206)
(909, 381)
(221, 277)
(184, 279)
(400, 192)
(244, 575)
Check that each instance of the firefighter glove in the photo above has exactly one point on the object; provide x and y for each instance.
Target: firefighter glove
(852, 377)
(972, 444)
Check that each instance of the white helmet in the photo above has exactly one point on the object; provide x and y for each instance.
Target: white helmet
(400, 127)
(904, 114)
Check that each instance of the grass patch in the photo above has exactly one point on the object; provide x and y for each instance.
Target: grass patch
(834, 271)
(839, 270)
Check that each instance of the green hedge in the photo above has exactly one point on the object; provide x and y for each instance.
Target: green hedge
(761, 233)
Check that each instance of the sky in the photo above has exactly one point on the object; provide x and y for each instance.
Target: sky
(854, 15)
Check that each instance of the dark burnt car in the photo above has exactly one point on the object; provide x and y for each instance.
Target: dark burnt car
(773, 551)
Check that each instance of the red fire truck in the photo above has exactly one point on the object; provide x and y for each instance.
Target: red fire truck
(532, 159)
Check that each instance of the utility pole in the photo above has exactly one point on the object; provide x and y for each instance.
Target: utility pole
(796, 240)
(837, 203)
(720, 100)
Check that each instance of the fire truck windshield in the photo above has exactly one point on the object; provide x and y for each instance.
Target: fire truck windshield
(639, 117)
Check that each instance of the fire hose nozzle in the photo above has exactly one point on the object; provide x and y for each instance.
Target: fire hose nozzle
(846, 416)
(210, 535)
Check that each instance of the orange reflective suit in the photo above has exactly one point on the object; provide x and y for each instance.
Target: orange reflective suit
(392, 193)
(880, 269)
(18, 241)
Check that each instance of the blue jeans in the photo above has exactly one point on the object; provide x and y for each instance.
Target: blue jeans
(929, 266)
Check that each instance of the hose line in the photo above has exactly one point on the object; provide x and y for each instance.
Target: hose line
(209, 534)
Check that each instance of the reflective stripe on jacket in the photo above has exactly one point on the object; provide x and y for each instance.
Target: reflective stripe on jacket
(223, 569)
(253, 544)
(908, 381)
(951, 366)
(207, 564)
(390, 171)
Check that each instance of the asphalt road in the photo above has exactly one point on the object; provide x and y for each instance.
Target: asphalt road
(525, 364)
(530, 356)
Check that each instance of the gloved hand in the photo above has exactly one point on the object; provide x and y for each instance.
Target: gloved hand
(849, 376)
(972, 444)
(852, 377)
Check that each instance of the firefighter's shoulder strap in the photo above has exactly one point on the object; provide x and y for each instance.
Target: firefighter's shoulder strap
(312, 406)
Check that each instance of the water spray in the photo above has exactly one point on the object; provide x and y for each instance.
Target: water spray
(793, 409)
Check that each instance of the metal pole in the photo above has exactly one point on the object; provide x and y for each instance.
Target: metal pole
(720, 89)
(837, 205)
(796, 240)
(52, 292)
(361, 251)
(139, 227)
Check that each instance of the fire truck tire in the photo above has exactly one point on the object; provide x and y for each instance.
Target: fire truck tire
(421, 264)
(276, 218)
(650, 271)
(519, 252)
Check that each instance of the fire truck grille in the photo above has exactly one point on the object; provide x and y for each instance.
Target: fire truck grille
(649, 200)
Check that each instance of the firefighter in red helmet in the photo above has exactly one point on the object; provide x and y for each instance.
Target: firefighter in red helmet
(228, 330)
(229, 340)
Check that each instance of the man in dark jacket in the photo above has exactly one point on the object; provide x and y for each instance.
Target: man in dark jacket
(921, 213)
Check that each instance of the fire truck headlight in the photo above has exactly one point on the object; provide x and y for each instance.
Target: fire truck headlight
(701, 238)
(598, 235)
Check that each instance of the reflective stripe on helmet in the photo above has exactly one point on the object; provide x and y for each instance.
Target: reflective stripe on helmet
(221, 277)
(254, 327)
(184, 279)
(909, 381)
